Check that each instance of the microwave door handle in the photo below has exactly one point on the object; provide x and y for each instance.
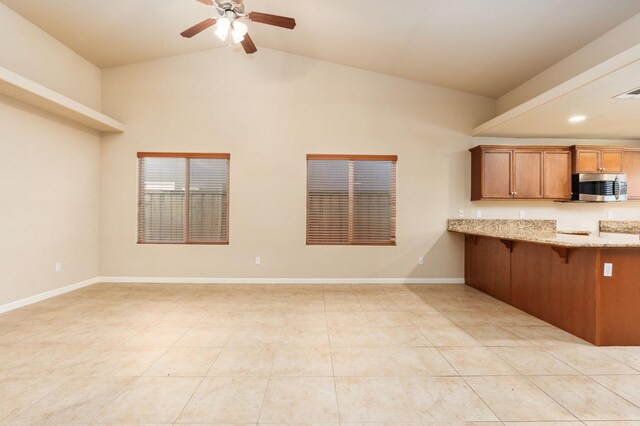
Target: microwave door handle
(616, 187)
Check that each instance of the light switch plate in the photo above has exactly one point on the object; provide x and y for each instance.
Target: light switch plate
(608, 270)
(609, 215)
(521, 214)
(421, 261)
(258, 260)
(478, 214)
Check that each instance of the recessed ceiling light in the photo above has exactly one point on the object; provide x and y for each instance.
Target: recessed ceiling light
(577, 118)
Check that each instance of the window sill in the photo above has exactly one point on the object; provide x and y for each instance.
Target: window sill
(182, 244)
(382, 244)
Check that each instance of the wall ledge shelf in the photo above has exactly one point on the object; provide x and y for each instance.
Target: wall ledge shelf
(29, 92)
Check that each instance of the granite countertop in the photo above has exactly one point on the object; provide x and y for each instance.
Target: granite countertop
(620, 226)
(532, 231)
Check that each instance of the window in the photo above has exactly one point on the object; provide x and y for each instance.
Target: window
(351, 200)
(169, 213)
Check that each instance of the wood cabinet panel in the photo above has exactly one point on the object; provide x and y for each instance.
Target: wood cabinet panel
(527, 174)
(618, 313)
(509, 172)
(562, 294)
(631, 166)
(611, 161)
(565, 287)
(597, 159)
(496, 178)
(487, 267)
(500, 172)
(588, 162)
(557, 175)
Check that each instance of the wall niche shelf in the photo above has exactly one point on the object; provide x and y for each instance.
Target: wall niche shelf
(29, 92)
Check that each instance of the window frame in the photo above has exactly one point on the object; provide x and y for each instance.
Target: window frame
(185, 155)
(394, 215)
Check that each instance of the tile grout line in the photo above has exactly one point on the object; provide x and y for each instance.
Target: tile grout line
(333, 370)
(613, 391)
(189, 400)
(528, 379)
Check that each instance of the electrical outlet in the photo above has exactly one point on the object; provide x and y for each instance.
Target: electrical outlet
(478, 214)
(461, 213)
(608, 270)
(521, 214)
(58, 267)
(258, 260)
(609, 215)
(421, 261)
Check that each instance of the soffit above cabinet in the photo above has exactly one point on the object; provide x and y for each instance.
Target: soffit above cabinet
(593, 94)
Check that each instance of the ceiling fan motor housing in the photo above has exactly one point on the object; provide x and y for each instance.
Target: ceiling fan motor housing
(228, 7)
(229, 11)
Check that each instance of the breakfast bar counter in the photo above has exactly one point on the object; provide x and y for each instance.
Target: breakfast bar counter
(587, 286)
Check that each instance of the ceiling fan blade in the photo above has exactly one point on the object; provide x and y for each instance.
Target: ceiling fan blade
(207, 2)
(248, 45)
(278, 21)
(197, 28)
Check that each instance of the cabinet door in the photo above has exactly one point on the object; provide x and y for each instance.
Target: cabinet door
(527, 174)
(611, 161)
(557, 175)
(587, 161)
(496, 175)
(631, 167)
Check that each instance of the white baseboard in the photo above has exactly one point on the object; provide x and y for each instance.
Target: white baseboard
(172, 280)
(46, 295)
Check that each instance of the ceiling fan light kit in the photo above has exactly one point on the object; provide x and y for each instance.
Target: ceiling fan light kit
(228, 22)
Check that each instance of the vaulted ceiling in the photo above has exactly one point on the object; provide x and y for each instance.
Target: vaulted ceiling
(487, 47)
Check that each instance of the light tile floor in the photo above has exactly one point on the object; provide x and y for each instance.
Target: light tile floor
(211, 354)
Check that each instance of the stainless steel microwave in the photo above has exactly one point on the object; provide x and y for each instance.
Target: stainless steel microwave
(599, 187)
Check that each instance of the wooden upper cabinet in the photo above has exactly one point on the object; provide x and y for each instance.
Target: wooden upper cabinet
(631, 166)
(527, 174)
(496, 174)
(611, 161)
(544, 172)
(597, 159)
(587, 161)
(557, 175)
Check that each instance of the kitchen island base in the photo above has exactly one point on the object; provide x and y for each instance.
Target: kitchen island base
(564, 286)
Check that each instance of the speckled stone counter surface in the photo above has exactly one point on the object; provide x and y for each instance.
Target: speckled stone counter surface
(620, 226)
(532, 231)
(502, 225)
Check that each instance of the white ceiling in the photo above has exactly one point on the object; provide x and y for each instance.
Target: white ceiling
(486, 47)
(607, 117)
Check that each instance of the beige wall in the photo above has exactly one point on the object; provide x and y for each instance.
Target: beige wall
(269, 111)
(27, 50)
(50, 173)
(49, 169)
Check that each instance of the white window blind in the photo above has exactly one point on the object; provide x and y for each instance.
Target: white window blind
(351, 200)
(183, 198)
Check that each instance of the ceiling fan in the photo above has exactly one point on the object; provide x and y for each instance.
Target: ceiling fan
(228, 23)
